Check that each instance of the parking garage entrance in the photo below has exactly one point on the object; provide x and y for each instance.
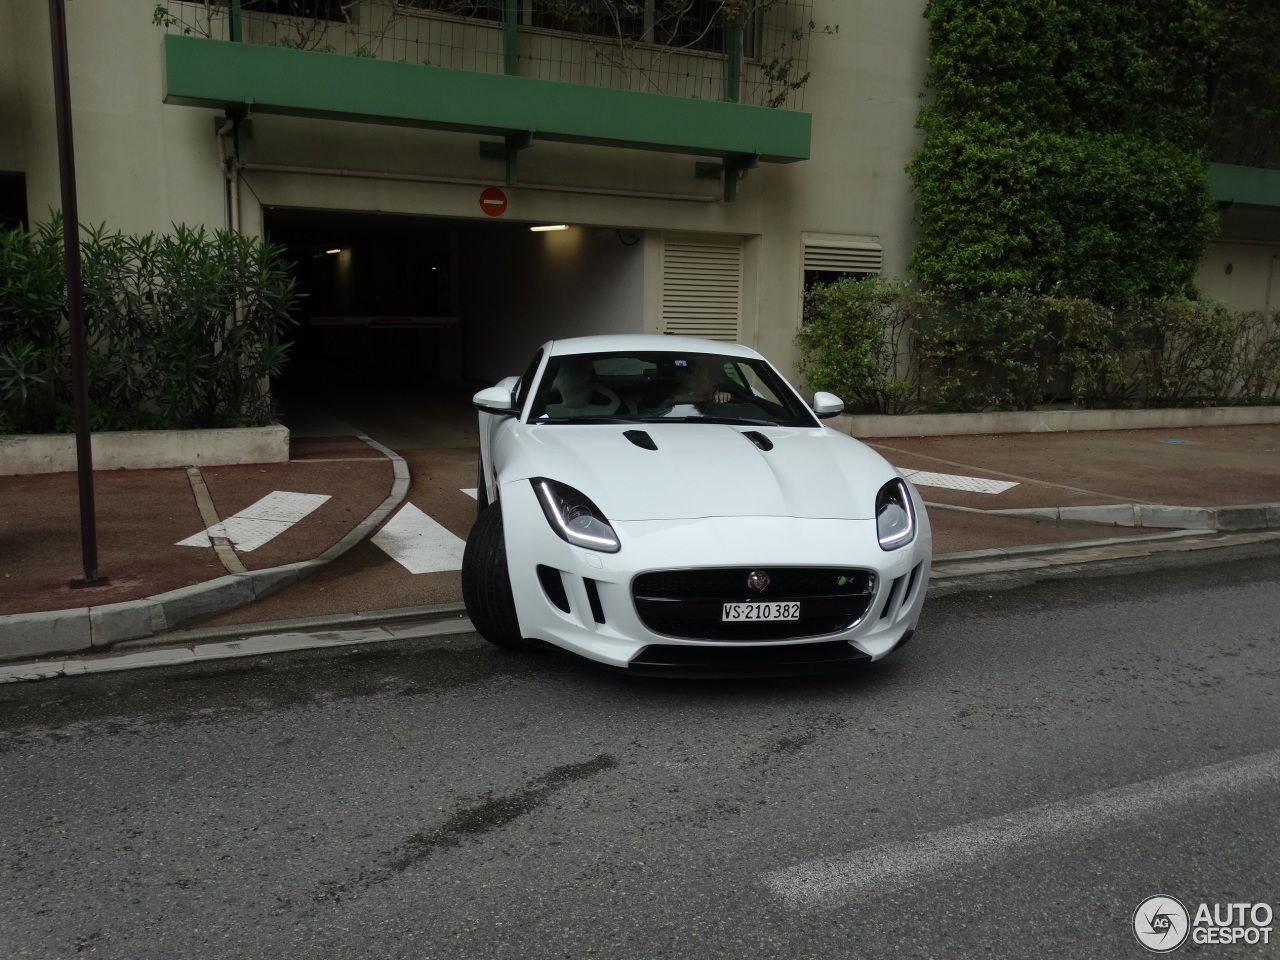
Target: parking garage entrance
(402, 318)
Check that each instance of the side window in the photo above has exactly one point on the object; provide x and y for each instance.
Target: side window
(526, 381)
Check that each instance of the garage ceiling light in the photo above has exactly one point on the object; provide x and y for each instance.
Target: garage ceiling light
(555, 226)
(334, 250)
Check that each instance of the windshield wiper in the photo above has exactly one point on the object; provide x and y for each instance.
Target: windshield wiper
(730, 421)
(585, 420)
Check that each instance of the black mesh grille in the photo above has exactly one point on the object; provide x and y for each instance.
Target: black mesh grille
(689, 603)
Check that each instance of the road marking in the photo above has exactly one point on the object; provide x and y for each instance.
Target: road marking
(419, 544)
(922, 478)
(263, 521)
(471, 492)
(892, 867)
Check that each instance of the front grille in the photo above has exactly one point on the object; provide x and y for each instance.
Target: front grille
(688, 603)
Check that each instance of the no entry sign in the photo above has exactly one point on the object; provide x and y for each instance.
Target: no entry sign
(493, 201)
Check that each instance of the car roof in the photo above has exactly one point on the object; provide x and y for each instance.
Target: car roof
(646, 343)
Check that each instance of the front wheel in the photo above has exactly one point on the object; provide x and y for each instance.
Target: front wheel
(486, 582)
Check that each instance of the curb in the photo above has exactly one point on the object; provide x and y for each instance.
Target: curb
(245, 644)
(86, 628)
(952, 573)
(1258, 516)
(865, 426)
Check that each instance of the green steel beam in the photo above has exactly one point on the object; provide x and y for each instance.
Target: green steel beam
(733, 57)
(510, 37)
(1252, 185)
(222, 75)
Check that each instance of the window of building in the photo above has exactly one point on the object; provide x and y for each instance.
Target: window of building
(831, 257)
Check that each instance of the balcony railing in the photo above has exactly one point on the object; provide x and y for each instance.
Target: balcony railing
(753, 52)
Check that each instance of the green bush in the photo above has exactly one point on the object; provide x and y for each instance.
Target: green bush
(892, 349)
(856, 342)
(993, 352)
(183, 329)
(1064, 148)
(33, 343)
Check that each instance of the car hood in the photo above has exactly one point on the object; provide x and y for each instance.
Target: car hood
(702, 470)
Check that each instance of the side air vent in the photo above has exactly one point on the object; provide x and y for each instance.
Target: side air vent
(640, 439)
(553, 586)
(593, 596)
(759, 439)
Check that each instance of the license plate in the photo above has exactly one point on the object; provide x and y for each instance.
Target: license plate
(761, 611)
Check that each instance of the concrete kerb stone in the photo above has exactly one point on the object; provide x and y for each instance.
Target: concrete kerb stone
(1262, 516)
(1182, 518)
(1030, 550)
(1243, 518)
(1048, 421)
(114, 622)
(27, 635)
(48, 631)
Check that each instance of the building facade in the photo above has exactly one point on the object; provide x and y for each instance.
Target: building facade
(404, 152)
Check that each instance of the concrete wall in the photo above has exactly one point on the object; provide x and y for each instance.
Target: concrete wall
(1242, 267)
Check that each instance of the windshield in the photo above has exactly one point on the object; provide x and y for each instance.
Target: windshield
(666, 387)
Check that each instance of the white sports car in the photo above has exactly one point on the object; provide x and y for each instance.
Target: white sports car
(666, 505)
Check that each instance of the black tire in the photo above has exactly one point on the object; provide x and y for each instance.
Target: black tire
(482, 489)
(486, 583)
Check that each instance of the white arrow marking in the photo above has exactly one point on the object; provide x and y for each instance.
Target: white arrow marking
(263, 521)
(419, 544)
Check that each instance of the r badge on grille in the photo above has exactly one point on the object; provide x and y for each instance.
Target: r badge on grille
(758, 581)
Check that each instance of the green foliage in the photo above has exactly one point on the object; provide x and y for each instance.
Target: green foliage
(183, 329)
(33, 343)
(1022, 350)
(1064, 148)
(856, 342)
(991, 352)
(1244, 83)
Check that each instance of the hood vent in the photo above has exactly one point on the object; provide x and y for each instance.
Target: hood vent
(759, 439)
(640, 439)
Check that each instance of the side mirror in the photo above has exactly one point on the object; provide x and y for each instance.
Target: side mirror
(495, 400)
(827, 405)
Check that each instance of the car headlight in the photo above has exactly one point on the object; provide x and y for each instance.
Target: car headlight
(895, 515)
(574, 517)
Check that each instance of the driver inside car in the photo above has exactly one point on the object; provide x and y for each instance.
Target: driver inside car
(699, 386)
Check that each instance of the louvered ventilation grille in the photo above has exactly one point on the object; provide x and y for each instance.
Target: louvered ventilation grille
(835, 256)
(701, 288)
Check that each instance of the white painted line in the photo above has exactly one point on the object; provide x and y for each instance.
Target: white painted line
(922, 478)
(418, 543)
(892, 867)
(261, 522)
(472, 492)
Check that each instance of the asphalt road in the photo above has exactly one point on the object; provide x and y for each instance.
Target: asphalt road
(1013, 783)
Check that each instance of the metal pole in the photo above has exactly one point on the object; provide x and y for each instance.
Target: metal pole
(733, 57)
(510, 37)
(75, 287)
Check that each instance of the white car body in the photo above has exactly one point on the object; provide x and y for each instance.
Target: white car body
(711, 507)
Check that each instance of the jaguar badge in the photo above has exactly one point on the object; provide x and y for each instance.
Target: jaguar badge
(758, 581)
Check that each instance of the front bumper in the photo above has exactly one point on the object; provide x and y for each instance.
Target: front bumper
(595, 616)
